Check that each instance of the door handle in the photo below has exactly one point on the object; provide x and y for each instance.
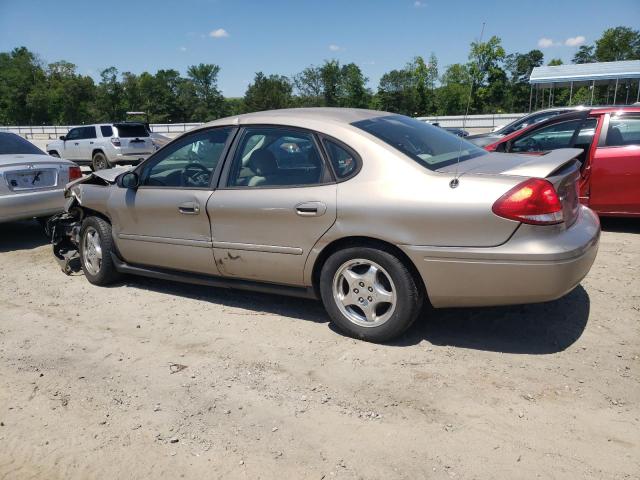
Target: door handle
(91, 143)
(76, 143)
(311, 209)
(189, 208)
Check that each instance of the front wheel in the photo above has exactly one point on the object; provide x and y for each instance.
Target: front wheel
(96, 247)
(369, 293)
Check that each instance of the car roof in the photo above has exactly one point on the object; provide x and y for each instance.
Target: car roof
(613, 109)
(300, 115)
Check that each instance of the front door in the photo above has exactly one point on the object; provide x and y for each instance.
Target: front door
(277, 200)
(71, 144)
(86, 143)
(164, 222)
(614, 179)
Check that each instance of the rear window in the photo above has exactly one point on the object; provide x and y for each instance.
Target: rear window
(430, 146)
(106, 130)
(12, 144)
(131, 130)
(623, 131)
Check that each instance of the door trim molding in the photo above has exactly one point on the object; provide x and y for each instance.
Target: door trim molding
(252, 247)
(167, 240)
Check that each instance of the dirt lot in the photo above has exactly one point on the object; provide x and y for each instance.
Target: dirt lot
(92, 383)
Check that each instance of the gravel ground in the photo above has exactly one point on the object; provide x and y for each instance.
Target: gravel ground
(149, 379)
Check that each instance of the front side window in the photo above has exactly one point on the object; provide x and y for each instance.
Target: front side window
(551, 137)
(430, 146)
(623, 130)
(343, 161)
(74, 134)
(187, 163)
(275, 156)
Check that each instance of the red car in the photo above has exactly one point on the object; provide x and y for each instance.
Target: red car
(610, 140)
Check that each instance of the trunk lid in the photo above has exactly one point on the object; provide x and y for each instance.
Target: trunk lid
(559, 167)
(134, 138)
(26, 173)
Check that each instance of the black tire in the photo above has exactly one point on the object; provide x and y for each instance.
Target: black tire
(99, 162)
(409, 296)
(106, 273)
(54, 154)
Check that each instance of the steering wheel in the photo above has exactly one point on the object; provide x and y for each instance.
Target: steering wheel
(532, 145)
(195, 175)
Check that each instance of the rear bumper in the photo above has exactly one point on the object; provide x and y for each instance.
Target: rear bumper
(21, 206)
(129, 158)
(537, 264)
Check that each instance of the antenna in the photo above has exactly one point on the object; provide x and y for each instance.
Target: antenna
(455, 182)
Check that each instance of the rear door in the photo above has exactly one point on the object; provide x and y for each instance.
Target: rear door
(276, 199)
(164, 222)
(614, 185)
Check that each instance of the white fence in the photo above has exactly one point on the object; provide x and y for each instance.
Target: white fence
(485, 122)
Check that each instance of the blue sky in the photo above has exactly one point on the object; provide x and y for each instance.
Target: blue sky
(278, 36)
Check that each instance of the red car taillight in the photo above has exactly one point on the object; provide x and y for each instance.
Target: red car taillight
(74, 173)
(115, 141)
(533, 201)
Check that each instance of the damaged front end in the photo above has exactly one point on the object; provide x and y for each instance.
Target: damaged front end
(64, 229)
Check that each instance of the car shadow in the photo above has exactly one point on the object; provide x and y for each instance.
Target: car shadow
(534, 329)
(23, 235)
(293, 307)
(542, 328)
(620, 225)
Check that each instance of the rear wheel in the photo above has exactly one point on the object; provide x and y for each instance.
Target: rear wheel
(100, 162)
(369, 293)
(96, 247)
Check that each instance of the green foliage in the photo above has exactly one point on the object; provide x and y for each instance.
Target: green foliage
(32, 92)
(268, 93)
(555, 62)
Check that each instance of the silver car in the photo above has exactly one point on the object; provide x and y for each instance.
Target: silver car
(31, 182)
(374, 213)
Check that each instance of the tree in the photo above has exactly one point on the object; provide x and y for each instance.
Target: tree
(267, 93)
(331, 82)
(353, 90)
(585, 54)
(205, 81)
(554, 62)
(453, 95)
(110, 103)
(488, 77)
(397, 92)
(619, 43)
(308, 85)
(20, 73)
(519, 67)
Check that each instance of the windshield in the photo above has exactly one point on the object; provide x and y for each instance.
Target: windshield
(131, 130)
(12, 144)
(430, 146)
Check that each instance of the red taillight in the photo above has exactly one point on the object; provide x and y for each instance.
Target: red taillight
(115, 141)
(74, 173)
(533, 201)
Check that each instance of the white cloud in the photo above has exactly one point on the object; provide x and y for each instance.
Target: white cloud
(575, 41)
(335, 48)
(419, 4)
(545, 42)
(183, 49)
(219, 33)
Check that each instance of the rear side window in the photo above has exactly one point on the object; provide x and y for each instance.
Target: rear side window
(344, 161)
(623, 131)
(432, 147)
(88, 132)
(131, 130)
(12, 144)
(106, 131)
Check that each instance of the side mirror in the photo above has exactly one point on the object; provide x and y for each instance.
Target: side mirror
(128, 180)
(63, 138)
